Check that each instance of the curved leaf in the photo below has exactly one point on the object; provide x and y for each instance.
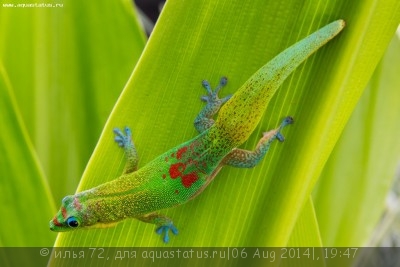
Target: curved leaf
(24, 194)
(207, 39)
(351, 195)
(67, 66)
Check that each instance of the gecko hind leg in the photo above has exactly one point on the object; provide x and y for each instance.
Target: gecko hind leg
(163, 223)
(125, 141)
(204, 120)
(241, 158)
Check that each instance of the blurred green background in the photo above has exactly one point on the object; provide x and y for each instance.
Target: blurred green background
(72, 72)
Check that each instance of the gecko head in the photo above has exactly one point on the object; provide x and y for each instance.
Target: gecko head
(69, 217)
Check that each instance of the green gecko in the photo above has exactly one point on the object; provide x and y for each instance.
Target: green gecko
(183, 172)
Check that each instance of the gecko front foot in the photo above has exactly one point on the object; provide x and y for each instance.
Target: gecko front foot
(212, 98)
(165, 229)
(123, 140)
(288, 120)
(204, 120)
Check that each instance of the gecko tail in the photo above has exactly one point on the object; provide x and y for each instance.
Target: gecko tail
(253, 96)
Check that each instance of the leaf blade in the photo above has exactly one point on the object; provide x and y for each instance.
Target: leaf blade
(24, 193)
(158, 93)
(354, 190)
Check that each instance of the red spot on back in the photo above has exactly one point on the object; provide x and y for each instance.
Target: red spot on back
(166, 159)
(176, 170)
(64, 212)
(189, 179)
(180, 152)
(164, 176)
(176, 192)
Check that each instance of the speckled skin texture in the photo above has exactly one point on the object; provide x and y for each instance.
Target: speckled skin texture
(183, 172)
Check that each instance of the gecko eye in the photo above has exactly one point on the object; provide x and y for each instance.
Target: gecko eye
(72, 222)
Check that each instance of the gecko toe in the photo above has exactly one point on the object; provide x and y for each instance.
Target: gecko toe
(223, 81)
(280, 137)
(119, 140)
(288, 120)
(174, 230)
(204, 98)
(128, 131)
(117, 131)
(166, 237)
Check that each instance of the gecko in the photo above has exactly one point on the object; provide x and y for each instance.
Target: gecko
(183, 172)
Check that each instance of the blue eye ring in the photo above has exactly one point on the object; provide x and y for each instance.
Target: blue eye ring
(72, 222)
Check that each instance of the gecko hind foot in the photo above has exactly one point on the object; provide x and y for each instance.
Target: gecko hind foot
(212, 96)
(123, 140)
(288, 120)
(165, 229)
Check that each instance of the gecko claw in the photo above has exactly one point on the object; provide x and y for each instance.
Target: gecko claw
(123, 140)
(206, 85)
(165, 229)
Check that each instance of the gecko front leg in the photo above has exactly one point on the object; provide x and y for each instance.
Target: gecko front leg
(125, 141)
(204, 120)
(241, 158)
(163, 223)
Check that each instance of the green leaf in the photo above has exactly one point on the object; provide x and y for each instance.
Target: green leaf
(306, 231)
(67, 66)
(355, 182)
(24, 195)
(207, 39)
